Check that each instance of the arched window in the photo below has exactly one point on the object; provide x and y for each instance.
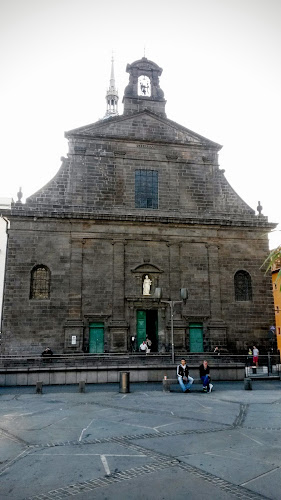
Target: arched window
(242, 286)
(40, 283)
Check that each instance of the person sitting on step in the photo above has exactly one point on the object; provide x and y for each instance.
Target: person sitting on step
(185, 380)
(205, 376)
(143, 347)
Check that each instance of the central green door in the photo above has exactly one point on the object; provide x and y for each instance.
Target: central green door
(96, 337)
(141, 327)
(147, 326)
(196, 337)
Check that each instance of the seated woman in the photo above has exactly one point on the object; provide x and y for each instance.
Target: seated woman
(205, 376)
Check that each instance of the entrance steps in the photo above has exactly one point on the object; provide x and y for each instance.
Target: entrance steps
(116, 359)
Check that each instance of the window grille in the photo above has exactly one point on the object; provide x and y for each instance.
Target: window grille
(146, 189)
(242, 286)
(40, 283)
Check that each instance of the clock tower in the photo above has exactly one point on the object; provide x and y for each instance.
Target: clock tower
(143, 91)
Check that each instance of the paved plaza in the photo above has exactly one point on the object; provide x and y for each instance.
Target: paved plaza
(147, 444)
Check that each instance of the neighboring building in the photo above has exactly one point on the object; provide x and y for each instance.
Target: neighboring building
(5, 203)
(139, 204)
(276, 284)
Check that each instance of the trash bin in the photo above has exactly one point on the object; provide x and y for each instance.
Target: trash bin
(124, 382)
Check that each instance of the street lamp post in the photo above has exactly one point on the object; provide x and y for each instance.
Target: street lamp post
(184, 296)
(172, 304)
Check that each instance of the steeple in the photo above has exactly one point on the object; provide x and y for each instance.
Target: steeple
(111, 95)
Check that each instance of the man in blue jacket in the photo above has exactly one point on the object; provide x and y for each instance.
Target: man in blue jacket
(184, 378)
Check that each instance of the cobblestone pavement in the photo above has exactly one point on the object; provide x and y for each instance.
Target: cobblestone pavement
(143, 445)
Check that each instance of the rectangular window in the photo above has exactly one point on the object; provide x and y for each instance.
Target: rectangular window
(146, 189)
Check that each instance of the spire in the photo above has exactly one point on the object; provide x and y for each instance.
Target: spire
(112, 79)
(111, 95)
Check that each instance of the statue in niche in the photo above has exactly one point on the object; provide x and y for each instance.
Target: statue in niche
(146, 285)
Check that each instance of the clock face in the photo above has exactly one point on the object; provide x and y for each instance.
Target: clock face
(144, 87)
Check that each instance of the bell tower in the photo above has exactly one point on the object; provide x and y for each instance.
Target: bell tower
(111, 95)
(143, 91)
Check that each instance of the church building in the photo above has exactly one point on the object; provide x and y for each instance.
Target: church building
(138, 218)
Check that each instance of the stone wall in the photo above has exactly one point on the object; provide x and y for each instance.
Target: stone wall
(96, 275)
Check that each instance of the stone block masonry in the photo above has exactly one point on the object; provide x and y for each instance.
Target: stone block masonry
(87, 234)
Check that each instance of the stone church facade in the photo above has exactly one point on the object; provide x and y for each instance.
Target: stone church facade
(139, 197)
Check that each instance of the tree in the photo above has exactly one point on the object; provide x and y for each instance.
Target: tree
(274, 259)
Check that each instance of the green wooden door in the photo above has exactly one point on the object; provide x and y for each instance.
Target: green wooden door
(141, 327)
(196, 337)
(96, 337)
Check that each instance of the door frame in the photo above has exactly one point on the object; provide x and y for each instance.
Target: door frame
(92, 325)
(143, 337)
(196, 325)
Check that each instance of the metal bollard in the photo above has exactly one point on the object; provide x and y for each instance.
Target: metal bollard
(166, 385)
(247, 384)
(82, 385)
(124, 382)
(39, 387)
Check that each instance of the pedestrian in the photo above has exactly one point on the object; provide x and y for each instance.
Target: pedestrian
(255, 355)
(133, 344)
(143, 347)
(205, 376)
(217, 351)
(185, 380)
(149, 344)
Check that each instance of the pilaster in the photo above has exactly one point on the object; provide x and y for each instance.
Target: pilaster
(118, 326)
(73, 329)
(216, 326)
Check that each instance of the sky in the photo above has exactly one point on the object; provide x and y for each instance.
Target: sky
(221, 78)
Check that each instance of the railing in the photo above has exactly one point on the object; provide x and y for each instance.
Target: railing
(267, 363)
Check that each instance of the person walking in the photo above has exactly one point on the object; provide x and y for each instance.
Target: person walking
(133, 344)
(185, 380)
(205, 376)
(149, 344)
(255, 355)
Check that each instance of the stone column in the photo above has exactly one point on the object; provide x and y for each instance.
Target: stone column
(118, 326)
(216, 327)
(73, 329)
(175, 286)
(118, 289)
(175, 271)
(214, 281)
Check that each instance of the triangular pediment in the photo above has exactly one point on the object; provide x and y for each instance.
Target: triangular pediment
(146, 268)
(144, 126)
